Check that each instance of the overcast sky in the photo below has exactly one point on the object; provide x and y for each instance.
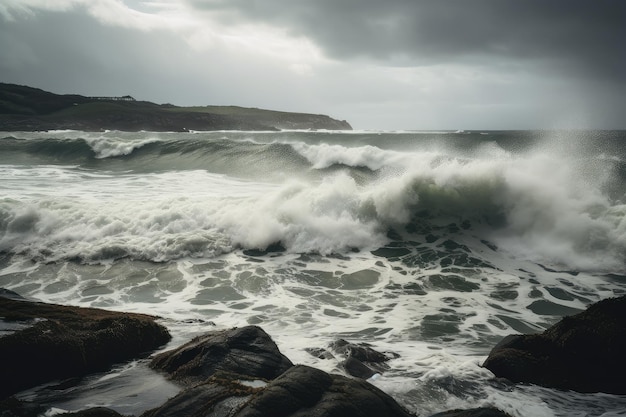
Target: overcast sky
(380, 64)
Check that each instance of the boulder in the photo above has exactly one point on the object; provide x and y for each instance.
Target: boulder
(361, 361)
(240, 372)
(300, 391)
(356, 368)
(47, 342)
(362, 351)
(247, 351)
(94, 412)
(10, 294)
(474, 412)
(220, 395)
(583, 352)
(12, 407)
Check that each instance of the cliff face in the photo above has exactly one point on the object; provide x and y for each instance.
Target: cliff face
(30, 109)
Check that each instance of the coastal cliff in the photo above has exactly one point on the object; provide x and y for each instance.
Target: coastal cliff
(25, 108)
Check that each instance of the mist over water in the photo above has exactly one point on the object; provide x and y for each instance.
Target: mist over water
(432, 245)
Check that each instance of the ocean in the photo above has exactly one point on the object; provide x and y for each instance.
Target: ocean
(429, 245)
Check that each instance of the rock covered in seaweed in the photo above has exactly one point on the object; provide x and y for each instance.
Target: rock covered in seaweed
(583, 352)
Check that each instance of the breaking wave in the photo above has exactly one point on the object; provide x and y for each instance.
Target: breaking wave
(540, 205)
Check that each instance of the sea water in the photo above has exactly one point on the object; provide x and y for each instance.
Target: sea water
(431, 246)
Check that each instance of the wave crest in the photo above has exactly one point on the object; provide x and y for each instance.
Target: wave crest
(548, 207)
(108, 147)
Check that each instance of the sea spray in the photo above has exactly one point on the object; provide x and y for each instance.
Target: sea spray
(430, 245)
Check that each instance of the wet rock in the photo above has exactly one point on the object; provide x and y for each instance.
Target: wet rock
(247, 351)
(220, 395)
(305, 391)
(362, 352)
(361, 360)
(474, 412)
(12, 407)
(94, 412)
(59, 342)
(10, 294)
(356, 368)
(300, 391)
(584, 352)
(320, 353)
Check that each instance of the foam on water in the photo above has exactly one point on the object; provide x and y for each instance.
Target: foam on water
(431, 253)
(530, 207)
(441, 330)
(106, 147)
(325, 155)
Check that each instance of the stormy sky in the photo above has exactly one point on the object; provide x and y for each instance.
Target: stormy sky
(392, 64)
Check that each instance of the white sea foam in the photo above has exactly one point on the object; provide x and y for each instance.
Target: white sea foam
(107, 147)
(535, 206)
(460, 270)
(325, 155)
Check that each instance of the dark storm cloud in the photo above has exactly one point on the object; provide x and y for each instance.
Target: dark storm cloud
(397, 64)
(71, 53)
(74, 52)
(577, 37)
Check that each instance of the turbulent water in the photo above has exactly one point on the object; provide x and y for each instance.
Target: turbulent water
(430, 245)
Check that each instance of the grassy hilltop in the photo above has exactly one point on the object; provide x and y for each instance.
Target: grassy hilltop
(25, 108)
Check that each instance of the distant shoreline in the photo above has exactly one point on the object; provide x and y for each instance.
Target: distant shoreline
(24, 108)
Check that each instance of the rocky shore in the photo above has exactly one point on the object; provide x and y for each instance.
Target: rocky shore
(43, 342)
(583, 352)
(241, 371)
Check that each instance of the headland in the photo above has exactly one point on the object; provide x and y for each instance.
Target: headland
(24, 108)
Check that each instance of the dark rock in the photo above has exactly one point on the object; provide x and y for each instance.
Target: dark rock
(584, 352)
(273, 248)
(10, 294)
(319, 353)
(246, 351)
(62, 342)
(474, 412)
(362, 352)
(361, 360)
(12, 407)
(304, 391)
(299, 392)
(219, 395)
(94, 412)
(357, 368)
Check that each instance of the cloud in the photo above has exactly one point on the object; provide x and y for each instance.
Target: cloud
(75, 52)
(548, 63)
(395, 64)
(568, 35)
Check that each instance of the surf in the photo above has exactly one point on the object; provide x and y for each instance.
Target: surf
(431, 245)
(309, 197)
